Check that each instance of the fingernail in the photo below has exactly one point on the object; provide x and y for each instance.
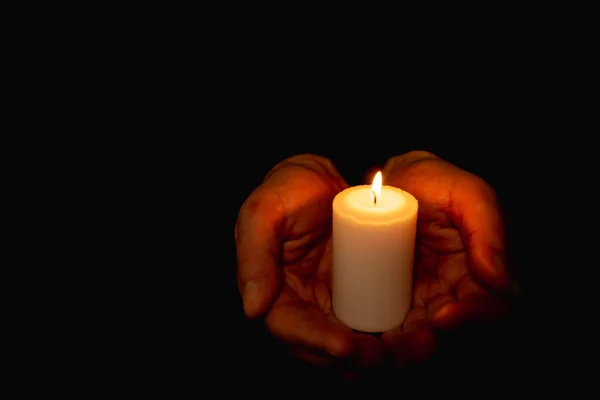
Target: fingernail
(249, 296)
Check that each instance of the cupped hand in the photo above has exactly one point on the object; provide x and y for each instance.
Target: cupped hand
(460, 270)
(283, 238)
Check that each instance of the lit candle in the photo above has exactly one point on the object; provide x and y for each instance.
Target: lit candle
(374, 229)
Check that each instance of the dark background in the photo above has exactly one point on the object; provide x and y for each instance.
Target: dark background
(131, 282)
(150, 301)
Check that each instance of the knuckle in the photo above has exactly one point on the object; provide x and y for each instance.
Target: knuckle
(483, 188)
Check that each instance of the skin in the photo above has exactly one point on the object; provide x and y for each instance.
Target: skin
(283, 238)
(460, 271)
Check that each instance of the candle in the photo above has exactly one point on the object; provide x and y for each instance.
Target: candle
(374, 229)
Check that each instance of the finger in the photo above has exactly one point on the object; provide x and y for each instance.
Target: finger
(414, 347)
(313, 357)
(453, 315)
(437, 310)
(258, 238)
(415, 317)
(482, 311)
(472, 303)
(475, 211)
(468, 289)
(369, 351)
(446, 316)
(414, 343)
(304, 325)
(475, 303)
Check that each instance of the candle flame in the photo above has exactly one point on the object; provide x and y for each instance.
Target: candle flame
(376, 187)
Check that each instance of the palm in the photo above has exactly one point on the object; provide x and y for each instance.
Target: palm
(441, 266)
(283, 239)
(306, 262)
(305, 257)
(450, 260)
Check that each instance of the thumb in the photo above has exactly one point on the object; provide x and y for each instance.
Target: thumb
(258, 239)
(476, 212)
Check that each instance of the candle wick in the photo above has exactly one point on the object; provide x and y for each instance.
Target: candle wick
(374, 198)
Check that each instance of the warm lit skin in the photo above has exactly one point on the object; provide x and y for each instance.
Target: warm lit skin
(284, 259)
(460, 272)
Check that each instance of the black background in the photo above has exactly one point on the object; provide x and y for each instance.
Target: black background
(154, 304)
(126, 268)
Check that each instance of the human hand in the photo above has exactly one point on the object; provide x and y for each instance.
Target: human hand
(460, 271)
(283, 239)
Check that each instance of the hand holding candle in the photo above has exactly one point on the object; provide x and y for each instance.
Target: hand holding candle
(460, 273)
(284, 250)
(283, 239)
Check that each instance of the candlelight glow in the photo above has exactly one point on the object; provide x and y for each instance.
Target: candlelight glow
(376, 187)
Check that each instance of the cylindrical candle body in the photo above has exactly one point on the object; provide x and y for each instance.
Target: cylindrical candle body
(373, 254)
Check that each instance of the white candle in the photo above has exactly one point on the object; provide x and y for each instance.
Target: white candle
(374, 230)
